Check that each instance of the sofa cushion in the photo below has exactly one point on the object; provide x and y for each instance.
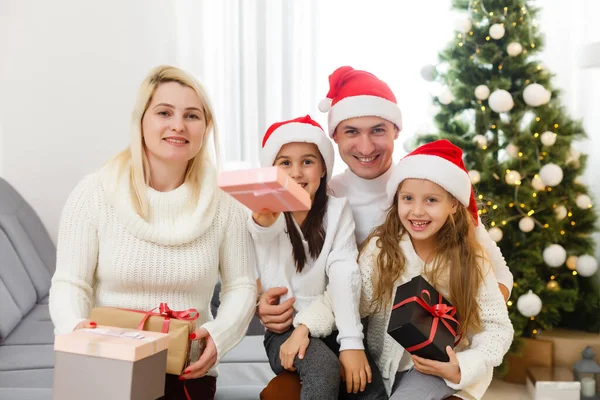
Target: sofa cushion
(28, 378)
(28, 236)
(25, 394)
(31, 331)
(17, 293)
(14, 358)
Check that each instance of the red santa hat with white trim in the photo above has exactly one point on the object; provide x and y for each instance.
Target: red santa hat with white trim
(440, 162)
(354, 93)
(302, 129)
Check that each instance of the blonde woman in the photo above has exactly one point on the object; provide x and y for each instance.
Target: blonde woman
(151, 226)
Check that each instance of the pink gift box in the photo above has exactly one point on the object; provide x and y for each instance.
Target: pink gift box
(110, 363)
(265, 188)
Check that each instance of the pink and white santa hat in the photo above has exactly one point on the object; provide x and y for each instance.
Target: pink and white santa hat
(302, 129)
(354, 93)
(440, 162)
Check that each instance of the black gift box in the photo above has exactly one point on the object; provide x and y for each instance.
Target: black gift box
(412, 323)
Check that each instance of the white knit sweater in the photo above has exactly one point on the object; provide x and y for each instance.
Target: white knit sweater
(369, 202)
(477, 353)
(336, 264)
(107, 255)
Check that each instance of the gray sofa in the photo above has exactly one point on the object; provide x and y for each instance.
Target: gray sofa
(27, 262)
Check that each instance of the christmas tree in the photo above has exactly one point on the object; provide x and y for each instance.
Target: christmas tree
(497, 103)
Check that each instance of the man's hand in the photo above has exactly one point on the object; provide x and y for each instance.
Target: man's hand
(504, 291)
(206, 361)
(355, 370)
(265, 218)
(275, 317)
(296, 344)
(447, 370)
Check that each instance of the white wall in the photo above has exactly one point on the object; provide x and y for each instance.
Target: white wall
(69, 71)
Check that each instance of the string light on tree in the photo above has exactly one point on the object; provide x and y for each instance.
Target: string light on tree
(526, 224)
(514, 49)
(587, 265)
(560, 212)
(529, 304)
(482, 92)
(553, 286)
(583, 201)
(475, 176)
(551, 174)
(512, 177)
(548, 138)
(497, 31)
(501, 101)
(554, 255)
(496, 234)
(535, 95)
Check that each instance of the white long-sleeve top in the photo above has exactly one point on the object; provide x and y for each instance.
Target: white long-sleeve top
(336, 266)
(477, 354)
(107, 255)
(369, 203)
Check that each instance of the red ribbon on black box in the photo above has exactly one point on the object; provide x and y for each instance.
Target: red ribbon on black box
(423, 328)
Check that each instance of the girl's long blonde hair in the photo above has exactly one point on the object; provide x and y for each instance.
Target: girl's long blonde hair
(134, 157)
(458, 257)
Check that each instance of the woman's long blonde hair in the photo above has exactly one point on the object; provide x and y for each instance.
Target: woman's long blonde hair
(135, 155)
(458, 257)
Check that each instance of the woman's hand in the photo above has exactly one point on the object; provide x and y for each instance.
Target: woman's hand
(447, 370)
(355, 370)
(207, 360)
(86, 324)
(265, 218)
(296, 344)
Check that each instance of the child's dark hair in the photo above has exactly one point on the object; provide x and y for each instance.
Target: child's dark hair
(312, 227)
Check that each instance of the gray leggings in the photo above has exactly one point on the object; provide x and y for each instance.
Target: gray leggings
(412, 384)
(320, 369)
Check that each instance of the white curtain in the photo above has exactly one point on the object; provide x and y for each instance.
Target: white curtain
(258, 62)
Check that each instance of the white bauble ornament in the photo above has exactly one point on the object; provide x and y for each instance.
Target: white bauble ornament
(512, 177)
(554, 255)
(501, 101)
(526, 224)
(463, 24)
(535, 95)
(578, 181)
(475, 176)
(496, 234)
(586, 265)
(537, 183)
(482, 92)
(583, 201)
(480, 141)
(548, 138)
(573, 157)
(572, 263)
(497, 31)
(547, 97)
(512, 150)
(446, 97)
(560, 212)
(428, 72)
(529, 304)
(434, 110)
(551, 174)
(514, 49)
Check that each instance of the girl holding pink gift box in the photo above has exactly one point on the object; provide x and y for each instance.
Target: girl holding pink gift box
(305, 252)
(151, 226)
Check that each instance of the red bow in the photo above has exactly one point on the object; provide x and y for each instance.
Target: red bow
(440, 311)
(190, 314)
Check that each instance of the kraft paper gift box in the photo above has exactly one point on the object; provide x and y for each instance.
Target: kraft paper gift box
(544, 383)
(265, 188)
(178, 324)
(422, 320)
(110, 363)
